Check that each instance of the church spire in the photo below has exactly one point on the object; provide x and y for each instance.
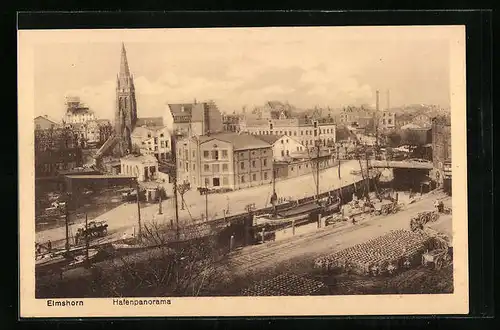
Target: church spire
(124, 70)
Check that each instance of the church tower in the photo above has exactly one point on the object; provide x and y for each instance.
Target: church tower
(126, 107)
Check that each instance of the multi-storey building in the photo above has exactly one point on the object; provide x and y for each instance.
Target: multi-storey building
(152, 140)
(303, 131)
(284, 147)
(196, 118)
(76, 112)
(224, 160)
(355, 116)
(231, 122)
(386, 120)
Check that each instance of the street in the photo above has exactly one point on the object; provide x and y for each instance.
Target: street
(124, 219)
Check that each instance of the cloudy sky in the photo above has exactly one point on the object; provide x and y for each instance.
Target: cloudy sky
(237, 67)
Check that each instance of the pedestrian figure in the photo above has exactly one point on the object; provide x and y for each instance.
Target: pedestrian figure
(49, 246)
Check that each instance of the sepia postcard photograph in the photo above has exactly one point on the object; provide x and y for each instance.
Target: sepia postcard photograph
(283, 171)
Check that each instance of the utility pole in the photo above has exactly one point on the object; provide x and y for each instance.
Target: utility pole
(317, 168)
(160, 211)
(340, 180)
(206, 201)
(67, 206)
(138, 211)
(176, 207)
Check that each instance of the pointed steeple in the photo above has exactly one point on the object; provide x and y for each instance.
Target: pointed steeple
(124, 70)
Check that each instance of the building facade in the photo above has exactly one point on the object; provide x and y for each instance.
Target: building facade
(224, 160)
(284, 147)
(97, 131)
(144, 167)
(76, 112)
(43, 122)
(386, 120)
(231, 123)
(152, 140)
(191, 119)
(302, 131)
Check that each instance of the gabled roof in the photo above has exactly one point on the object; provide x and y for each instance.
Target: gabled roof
(269, 138)
(239, 141)
(47, 119)
(185, 109)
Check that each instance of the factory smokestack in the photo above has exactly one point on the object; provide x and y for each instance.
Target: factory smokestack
(377, 104)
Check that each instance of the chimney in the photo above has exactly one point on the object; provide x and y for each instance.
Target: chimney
(194, 101)
(377, 102)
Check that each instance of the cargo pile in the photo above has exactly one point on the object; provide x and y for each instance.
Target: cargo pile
(285, 285)
(385, 254)
(418, 222)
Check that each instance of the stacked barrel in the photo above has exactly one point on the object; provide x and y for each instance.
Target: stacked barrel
(384, 254)
(285, 285)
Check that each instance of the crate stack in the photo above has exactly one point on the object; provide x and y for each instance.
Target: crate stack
(379, 255)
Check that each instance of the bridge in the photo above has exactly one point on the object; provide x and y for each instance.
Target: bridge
(408, 164)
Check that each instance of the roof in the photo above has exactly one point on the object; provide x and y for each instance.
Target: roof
(140, 158)
(269, 138)
(239, 141)
(149, 121)
(47, 119)
(186, 109)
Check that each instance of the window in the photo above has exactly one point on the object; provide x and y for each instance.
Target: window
(242, 179)
(156, 148)
(290, 133)
(225, 181)
(224, 154)
(292, 168)
(390, 121)
(282, 141)
(301, 132)
(161, 135)
(186, 167)
(265, 162)
(254, 177)
(194, 154)
(224, 168)
(194, 167)
(205, 154)
(215, 154)
(253, 163)
(242, 165)
(215, 168)
(282, 153)
(206, 168)
(288, 153)
(149, 135)
(207, 181)
(297, 148)
(156, 140)
(286, 140)
(270, 126)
